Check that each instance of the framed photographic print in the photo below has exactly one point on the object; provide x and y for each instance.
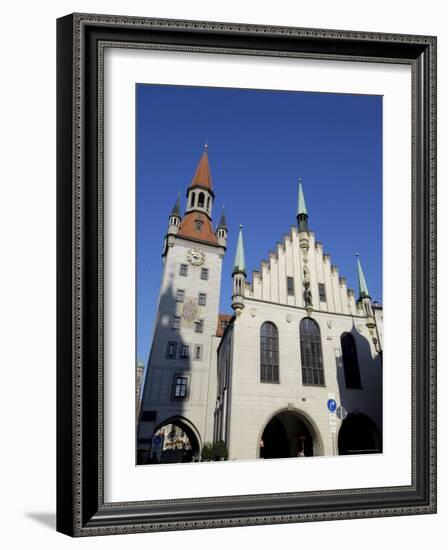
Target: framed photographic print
(246, 274)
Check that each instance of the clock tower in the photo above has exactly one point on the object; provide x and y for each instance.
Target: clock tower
(180, 382)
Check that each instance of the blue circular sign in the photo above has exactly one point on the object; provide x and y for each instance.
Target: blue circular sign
(331, 404)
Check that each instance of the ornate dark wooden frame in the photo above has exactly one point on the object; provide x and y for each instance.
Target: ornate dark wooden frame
(81, 39)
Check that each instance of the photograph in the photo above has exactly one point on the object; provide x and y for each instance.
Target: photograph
(259, 283)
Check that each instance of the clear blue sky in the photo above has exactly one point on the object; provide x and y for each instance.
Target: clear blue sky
(260, 143)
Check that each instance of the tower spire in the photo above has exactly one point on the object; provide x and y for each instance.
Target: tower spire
(302, 213)
(176, 207)
(363, 290)
(239, 275)
(222, 221)
(202, 177)
(239, 265)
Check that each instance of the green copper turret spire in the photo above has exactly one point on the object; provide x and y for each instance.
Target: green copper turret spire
(302, 213)
(176, 207)
(363, 290)
(239, 265)
(301, 206)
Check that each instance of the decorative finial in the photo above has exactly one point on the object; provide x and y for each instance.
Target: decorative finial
(206, 144)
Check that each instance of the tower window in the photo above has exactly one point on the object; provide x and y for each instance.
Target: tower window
(180, 387)
(208, 204)
(204, 274)
(180, 296)
(311, 353)
(199, 224)
(199, 326)
(176, 323)
(269, 353)
(350, 361)
(322, 293)
(183, 270)
(171, 350)
(197, 352)
(201, 200)
(192, 199)
(202, 300)
(185, 351)
(290, 286)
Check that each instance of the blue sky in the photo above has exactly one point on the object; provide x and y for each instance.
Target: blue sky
(260, 142)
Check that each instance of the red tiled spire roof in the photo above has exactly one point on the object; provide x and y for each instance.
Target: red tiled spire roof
(202, 176)
(198, 227)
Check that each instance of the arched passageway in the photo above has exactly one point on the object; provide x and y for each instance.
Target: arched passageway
(175, 440)
(289, 434)
(359, 435)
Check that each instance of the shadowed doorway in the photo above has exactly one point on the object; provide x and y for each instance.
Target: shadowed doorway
(288, 434)
(359, 435)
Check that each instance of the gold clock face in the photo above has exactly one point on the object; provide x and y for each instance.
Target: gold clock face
(195, 256)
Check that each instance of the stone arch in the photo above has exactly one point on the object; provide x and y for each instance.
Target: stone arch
(288, 431)
(191, 432)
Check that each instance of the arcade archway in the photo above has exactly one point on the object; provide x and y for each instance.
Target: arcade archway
(175, 440)
(359, 435)
(289, 434)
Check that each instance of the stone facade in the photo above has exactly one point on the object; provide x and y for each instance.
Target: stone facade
(245, 404)
(299, 282)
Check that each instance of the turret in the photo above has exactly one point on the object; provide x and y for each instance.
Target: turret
(364, 296)
(175, 219)
(365, 302)
(239, 275)
(304, 243)
(221, 231)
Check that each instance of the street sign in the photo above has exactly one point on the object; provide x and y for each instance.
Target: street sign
(331, 404)
(341, 412)
(157, 442)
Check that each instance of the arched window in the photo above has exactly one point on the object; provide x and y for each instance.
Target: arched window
(311, 353)
(269, 353)
(193, 196)
(201, 200)
(208, 204)
(350, 361)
